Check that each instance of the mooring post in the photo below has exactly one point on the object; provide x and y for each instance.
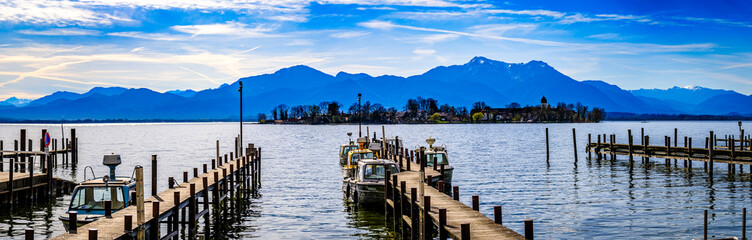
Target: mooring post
(547, 152)
(29, 234)
(646, 142)
(185, 176)
(154, 229)
(574, 140)
(497, 214)
(456, 193)
(442, 224)
(74, 146)
(176, 212)
(93, 234)
(710, 157)
(427, 224)
(192, 212)
(629, 135)
(414, 216)
(205, 184)
(128, 222)
(529, 229)
(705, 226)
(476, 203)
(73, 222)
(465, 231)
(22, 148)
(598, 155)
(744, 223)
(689, 152)
(587, 147)
(108, 209)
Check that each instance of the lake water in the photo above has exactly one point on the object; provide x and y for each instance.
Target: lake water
(301, 196)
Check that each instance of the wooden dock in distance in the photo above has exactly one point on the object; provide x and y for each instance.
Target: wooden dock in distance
(16, 185)
(206, 194)
(452, 218)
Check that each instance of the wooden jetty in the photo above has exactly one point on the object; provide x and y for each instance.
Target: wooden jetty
(16, 185)
(415, 216)
(227, 182)
(731, 154)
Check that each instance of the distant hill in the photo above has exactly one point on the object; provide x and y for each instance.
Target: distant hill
(481, 79)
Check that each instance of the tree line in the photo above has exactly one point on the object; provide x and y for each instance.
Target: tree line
(428, 110)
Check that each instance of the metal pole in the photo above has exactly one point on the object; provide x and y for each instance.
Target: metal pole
(360, 117)
(240, 89)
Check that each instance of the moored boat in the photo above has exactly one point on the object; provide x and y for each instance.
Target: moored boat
(89, 197)
(439, 154)
(367, 185)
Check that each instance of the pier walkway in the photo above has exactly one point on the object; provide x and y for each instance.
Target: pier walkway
(440, 214)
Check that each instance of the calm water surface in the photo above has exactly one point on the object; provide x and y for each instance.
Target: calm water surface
(505, 164)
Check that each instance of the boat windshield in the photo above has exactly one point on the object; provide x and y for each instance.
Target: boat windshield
(377, 171)
(92, 198)
(358, 156)
(348, 148)
(440, 159)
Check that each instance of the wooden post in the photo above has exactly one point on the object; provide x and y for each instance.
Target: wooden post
(74, 146)
(176, 212)
(574, 140)
(587, 147)
(497, 214)
(456, 193)
(185, 176)
(29, 234)
(23, 148)
(154, 175)
(442, 224)
(744, 223)
(73, 222)
(192, 212)
(465, 231)
(427, 224)
(547, 152)
(207, 229)
(667, 140)
(629, 135)
(93, 234)
(689, 152)
(705, 226)
(476, 203)
(154, 231)
(128, 222)
(646, 142)
(676, 136)
(108, 209)
(710, 157)
(140, 199)
(529, 229)
(642, 141)
(598, 155)
(415, 229)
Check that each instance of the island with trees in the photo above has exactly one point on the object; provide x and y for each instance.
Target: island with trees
(428, 110)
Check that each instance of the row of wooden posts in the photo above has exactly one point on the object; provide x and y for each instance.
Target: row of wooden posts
(236, 178)
(22, 161)
(406, 212)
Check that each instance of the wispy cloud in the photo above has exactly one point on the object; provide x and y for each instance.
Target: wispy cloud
(349, 34)
(229, 28)
(606, 36)
(61, 32)
(539, 12)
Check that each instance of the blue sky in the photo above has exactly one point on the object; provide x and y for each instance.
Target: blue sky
(49, 46)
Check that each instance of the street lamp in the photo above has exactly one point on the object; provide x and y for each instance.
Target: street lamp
(240, 141)
(360, 117)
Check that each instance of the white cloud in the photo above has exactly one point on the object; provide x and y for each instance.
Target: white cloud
(435, 38)
(424, 52)
(229, 28)
(61, 32)
(149, 36)
(579, 17)
(606, 36)
(539, 12)
(349, 34)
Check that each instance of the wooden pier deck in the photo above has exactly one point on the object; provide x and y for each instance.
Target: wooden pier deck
(451, 218)
(205, 194)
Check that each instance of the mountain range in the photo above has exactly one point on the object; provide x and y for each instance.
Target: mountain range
(481, 79)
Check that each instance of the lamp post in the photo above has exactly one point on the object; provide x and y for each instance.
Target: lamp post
(360, 118)
(240, 141)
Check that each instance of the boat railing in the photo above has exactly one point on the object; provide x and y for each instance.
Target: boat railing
(92, 173)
